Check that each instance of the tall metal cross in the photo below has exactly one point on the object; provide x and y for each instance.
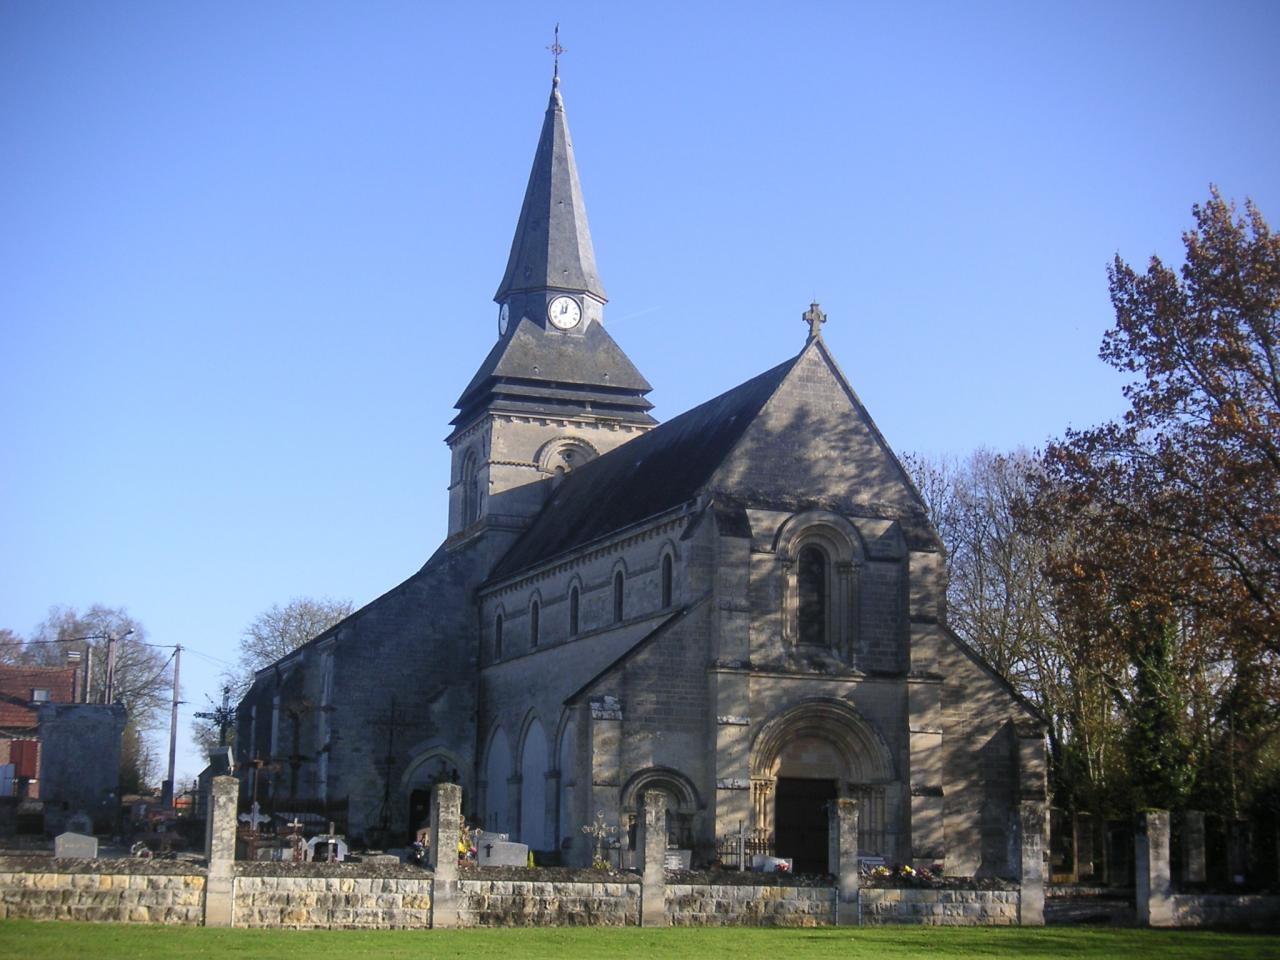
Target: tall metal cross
(224, 716)
(556, 50)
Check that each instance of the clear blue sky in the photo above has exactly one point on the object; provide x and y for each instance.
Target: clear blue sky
(248, 250)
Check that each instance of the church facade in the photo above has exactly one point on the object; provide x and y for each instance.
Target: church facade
(743, 607)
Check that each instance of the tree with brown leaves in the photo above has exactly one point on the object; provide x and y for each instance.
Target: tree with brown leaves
(1164, 527)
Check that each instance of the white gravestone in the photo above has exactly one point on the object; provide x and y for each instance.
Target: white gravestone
(762, 863)
(333, 848)
(75, 846)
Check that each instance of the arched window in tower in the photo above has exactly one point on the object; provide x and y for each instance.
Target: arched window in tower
(470, 490)
(811, 581)
(573, 612)
(666, 580)
(535, 616)
(497, 637)
(617, 597)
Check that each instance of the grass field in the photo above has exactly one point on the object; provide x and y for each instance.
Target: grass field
(84, 941)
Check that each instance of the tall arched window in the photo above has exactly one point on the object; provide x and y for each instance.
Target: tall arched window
(497, 638)
(573, 612)
(811, 581)
(666, 580)
(535, 616)
(617, 597)
(470, 490)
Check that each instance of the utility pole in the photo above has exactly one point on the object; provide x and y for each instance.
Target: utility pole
(167, 792)
(112, 640)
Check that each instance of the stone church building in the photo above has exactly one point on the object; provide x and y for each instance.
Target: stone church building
(743, 607)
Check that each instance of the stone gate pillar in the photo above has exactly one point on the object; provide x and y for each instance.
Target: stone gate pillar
(1031, 818)
(1154, 892)
(446, 820)
(220, 848)
(842, 857)
(651, 844)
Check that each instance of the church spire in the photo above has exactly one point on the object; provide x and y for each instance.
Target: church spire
(552, 249)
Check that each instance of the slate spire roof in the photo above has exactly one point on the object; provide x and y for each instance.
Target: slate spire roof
(552, 245)
(533, 370)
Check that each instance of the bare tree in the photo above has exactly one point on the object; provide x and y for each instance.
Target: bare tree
(998, 600)
(12, 647)
(142, 684)
(274, 633)
(279, 631)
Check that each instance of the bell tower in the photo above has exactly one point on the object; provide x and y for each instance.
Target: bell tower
(556, 390)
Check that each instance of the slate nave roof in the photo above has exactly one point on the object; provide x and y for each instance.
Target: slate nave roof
(656, 471)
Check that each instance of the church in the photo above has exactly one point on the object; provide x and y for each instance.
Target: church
(742, 607)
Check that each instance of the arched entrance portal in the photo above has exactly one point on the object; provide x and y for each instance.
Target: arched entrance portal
(808, 777)
(802, 759)
(424, 772)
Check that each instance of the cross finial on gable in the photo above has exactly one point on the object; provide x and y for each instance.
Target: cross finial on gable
(815, 318)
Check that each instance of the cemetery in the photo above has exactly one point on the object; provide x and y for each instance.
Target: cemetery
(478, 879)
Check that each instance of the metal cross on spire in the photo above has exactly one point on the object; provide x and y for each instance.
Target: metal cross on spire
(556, 50)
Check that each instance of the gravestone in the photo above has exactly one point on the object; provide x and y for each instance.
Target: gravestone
(763, 863)
(325, 848)
(678, 859)
(502, 853)
(75, 846)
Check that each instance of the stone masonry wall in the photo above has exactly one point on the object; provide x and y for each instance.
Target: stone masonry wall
(111, 890)
(333, 902)
(743, 905)
(537, 903)
(939, 907)
(1226, 910)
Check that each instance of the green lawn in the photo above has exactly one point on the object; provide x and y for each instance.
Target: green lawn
(84, 941)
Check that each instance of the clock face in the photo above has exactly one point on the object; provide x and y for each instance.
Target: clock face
(504, 316)
(564, 313)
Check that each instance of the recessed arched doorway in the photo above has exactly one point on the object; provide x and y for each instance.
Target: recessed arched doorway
(803, 758)
(808, 777)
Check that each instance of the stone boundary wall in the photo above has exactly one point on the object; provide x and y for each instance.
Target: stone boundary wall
(749, 905)
(1257, 911)
(945, 907)
(350, 902)
(493, 902)
(111, 890)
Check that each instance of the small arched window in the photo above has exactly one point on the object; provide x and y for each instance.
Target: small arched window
(666, 580)
(617, 597)
(811, 581)
(573, 612)
(497, 637)
(535, 617)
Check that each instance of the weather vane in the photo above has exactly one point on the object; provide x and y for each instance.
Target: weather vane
(556, 50)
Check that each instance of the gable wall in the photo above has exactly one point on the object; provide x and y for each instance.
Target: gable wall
(813, 440)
